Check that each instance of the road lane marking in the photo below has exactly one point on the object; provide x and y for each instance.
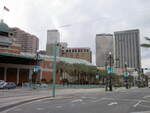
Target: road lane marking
(77, 100)
(137, 104)
(112, 103)
(148, 96)
(126, 100)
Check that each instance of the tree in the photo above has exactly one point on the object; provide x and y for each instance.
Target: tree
(146, 45)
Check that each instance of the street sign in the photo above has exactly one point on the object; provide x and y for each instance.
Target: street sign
(126, 74)
(36, 68)
(109, 70)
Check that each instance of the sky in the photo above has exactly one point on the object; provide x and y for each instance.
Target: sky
(83, 19)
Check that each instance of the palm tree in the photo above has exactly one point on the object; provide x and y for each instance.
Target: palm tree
(62, 67)
(146, 45)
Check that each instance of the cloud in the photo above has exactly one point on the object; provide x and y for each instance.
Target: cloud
(85, 17)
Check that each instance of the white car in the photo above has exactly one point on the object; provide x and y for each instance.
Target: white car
(2, 84)
(149, 84)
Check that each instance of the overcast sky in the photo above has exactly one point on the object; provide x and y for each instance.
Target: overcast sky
(83, 19)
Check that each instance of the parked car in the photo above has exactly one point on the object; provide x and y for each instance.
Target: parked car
(2, 84)
(10, 85)
(7, 85)
(149, 84)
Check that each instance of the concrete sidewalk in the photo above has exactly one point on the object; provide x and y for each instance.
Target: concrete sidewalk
(13, 97)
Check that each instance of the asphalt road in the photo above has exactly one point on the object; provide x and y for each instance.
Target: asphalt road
(124, 101)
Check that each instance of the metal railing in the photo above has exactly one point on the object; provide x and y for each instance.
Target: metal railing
(28, 85)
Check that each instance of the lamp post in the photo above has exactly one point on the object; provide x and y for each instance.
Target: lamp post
(110, 73)
(106, 88)
(126, 75)
(55, 52)
(36, 70)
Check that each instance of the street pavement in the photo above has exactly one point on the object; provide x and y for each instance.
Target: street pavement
(13, 97)
(134, 100)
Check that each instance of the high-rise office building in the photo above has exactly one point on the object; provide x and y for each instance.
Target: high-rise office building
(127, 48)
(53, 36)
(104, 45)
(29, 43)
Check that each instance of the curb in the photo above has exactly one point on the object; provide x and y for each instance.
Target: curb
(5, 108)
(18, 103)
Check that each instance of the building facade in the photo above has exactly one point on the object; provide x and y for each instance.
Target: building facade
(79, 53)
(104, 45)
(19, 67)
(29, 43)
(53, 36)
(127, 48)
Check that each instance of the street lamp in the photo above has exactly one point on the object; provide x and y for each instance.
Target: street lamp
(110, 73)
(55, 50)
(106, 88)
(126, 75)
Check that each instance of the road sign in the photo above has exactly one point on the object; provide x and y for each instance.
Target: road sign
(109, 70)
(36, 68)
(126, 74)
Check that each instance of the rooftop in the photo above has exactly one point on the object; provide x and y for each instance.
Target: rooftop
(4, 27)
(131, 30)
(104, 34)
(33, 56)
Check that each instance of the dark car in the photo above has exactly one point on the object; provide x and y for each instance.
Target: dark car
(9, 85)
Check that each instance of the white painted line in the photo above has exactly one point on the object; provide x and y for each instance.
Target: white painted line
(148, 96)
(77, 100)
(137, 104)
(112, 103)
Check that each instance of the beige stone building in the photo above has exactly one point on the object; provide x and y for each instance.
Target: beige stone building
(80, 53)
(29, 43)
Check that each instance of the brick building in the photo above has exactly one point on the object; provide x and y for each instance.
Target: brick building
(18, 67)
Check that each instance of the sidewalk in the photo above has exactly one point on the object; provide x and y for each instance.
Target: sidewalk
(11, 98)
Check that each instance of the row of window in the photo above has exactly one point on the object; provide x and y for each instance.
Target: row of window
(76, 50)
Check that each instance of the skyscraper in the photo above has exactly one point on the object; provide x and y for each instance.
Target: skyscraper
(53, 36)
(104, 45)
(127, 48)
